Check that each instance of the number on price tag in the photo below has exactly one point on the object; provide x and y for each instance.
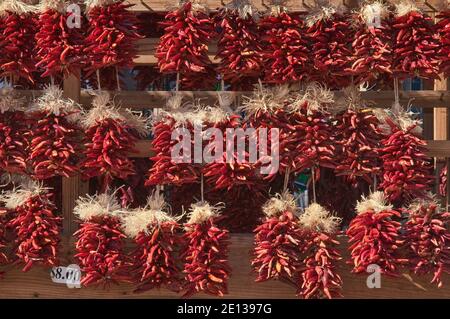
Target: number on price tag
(70, 275)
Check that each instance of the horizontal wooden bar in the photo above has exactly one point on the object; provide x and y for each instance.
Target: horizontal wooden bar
(383, 99)
(434, 149)
(37, 283)
(292, 5)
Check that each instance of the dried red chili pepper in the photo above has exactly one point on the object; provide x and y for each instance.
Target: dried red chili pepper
(36, 228)
(13, 133)
(99, 246)
(17, 40)
(319, 277)
(111, 36)
(59, 45)
(372, 45)
(165, 169)
(3, 239)
(358, 135)
(374, 236)
(238, 46)
(285, 47)
(407, 170)
(183, 48)
(110, 138)
(55, 135)
(330, 32)
(205, 256)
(416, 44)
(427, 240)
(313, 123)
(157, 237)
(278, 242)
(443, 29)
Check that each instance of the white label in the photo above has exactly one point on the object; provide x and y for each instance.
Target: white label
(70, 275)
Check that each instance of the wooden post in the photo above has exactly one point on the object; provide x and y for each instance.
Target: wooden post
(72, 187)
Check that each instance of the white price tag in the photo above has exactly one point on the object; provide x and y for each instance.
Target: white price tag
(70, 275)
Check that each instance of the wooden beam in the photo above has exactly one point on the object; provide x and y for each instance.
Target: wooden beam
(292, 5)
(72, 187)
(383, 99)
(37, 283)
(434, 149)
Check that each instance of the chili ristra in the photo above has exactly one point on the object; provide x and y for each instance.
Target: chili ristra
(443, 29)
(55, 135)
(157, 237)
(427, 240)
(205, 255)
(99, 242)
(35, 226)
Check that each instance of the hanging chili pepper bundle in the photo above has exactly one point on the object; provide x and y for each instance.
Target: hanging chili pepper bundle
(13, 132)
(165, 169)
(99, 246)
(319, 277)
(35, 226)
(359, 138)
(313, 123)
(374, 236)
(183, 48)
(110, 138)
(205, 256)
(59, 45)
(416, 46)
(443, 29)
(278, 242)
(329, 31)
(111, 36)
(55, 135)
(285, 47)
(406, 168)
(372, 45)
(17, 40)
(427, 239)
(238, 46)
(157, 237)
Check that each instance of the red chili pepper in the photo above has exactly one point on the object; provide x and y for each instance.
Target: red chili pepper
(17, 41)
(238, 48)
(330, 34)
(278, 241)
(205, 256)
(35, 226)
(407, 170)
(374, 236)
(443, 29)
(285, 47)
(59, 46)
(443, 181)
(416, 45)
(183, 48)
(318, 277)
(55, 136)
(372, 45)
(111, 36)
(99, 246)
(427, 240)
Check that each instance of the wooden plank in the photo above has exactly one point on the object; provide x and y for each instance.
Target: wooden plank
(383, 99)
(434, 149)
(70, 186)
(292, 5)
(37, 283)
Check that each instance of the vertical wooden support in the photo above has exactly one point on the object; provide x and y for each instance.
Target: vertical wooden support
(441, 131)
(72, 187)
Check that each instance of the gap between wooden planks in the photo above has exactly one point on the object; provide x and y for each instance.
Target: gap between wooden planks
(37, 282)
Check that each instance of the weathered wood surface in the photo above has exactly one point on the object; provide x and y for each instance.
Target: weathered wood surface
(37, 283)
